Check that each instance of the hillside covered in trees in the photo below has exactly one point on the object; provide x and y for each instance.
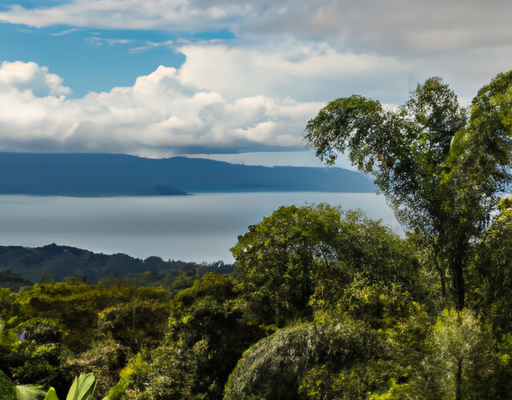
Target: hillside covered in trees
(323, 303)
(56, 263)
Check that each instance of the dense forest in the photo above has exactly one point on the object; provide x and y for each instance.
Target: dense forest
(23, 266)
(323, 303)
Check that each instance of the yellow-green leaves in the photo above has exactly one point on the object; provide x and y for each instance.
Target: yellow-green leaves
(460, 354)
(51, 395)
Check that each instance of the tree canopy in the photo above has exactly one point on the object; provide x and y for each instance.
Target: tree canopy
(300, 258)
(442, 167)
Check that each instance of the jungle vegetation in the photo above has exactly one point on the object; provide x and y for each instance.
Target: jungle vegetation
(323, 303)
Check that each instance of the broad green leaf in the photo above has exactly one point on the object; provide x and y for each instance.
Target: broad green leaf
(82, 388)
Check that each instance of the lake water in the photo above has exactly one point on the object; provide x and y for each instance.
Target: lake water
(198, 228)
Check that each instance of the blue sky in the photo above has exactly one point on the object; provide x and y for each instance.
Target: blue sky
(225, 78)
(84, 58)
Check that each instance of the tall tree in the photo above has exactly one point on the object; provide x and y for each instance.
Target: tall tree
(441, 167)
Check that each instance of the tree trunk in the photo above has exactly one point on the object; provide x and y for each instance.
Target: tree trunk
(459, 286)
(458, 266)
(458, 388)
(441, 273)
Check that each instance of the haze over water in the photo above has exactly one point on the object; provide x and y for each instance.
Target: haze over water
(196, 228)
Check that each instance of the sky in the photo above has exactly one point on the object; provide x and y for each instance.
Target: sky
(234, 80)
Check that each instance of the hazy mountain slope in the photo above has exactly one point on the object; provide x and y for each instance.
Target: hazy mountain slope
(114, 174)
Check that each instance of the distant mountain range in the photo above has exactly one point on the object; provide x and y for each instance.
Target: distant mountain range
(21, 266)
(102, 175)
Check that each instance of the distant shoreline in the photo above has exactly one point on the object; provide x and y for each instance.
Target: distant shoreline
(117, 175)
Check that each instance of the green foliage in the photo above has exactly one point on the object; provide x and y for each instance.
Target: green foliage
(82, 388)
(460, 355)
(105, 359)
(11, 391)
(8, 306)
(442, 172)
(73, 309)
(278, 260)
(27, 392)
(6, 387)
(323, 303)
(498, 384)
(490, 277)
(64, 330)
(310, 362)
(54, 263)
(302, 259)
(133, 379)
(395, 392)
(136, 324)
(51, 395)
(13, 281)
(404, 149)
(208, 333)
(7, 340)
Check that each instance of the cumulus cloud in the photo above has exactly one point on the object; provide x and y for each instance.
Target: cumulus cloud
(254, 92)
(256, 97)
(30, 77)
(158, 116)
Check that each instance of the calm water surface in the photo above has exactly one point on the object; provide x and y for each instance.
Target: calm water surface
(197, 228)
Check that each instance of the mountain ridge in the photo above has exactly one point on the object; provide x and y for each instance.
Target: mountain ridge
(105, 175)
(21, 265)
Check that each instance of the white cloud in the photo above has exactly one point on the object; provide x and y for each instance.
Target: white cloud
(255, 92)
(30, 77)
(302, 70)
(244, 97)
(159, 115)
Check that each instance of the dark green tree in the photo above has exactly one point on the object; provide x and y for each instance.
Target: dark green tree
(441, 167)
(491, 272)
(208, 332)
(278, 261)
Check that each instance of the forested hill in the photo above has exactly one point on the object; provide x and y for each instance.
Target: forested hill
(58, 262)
(95, 175)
